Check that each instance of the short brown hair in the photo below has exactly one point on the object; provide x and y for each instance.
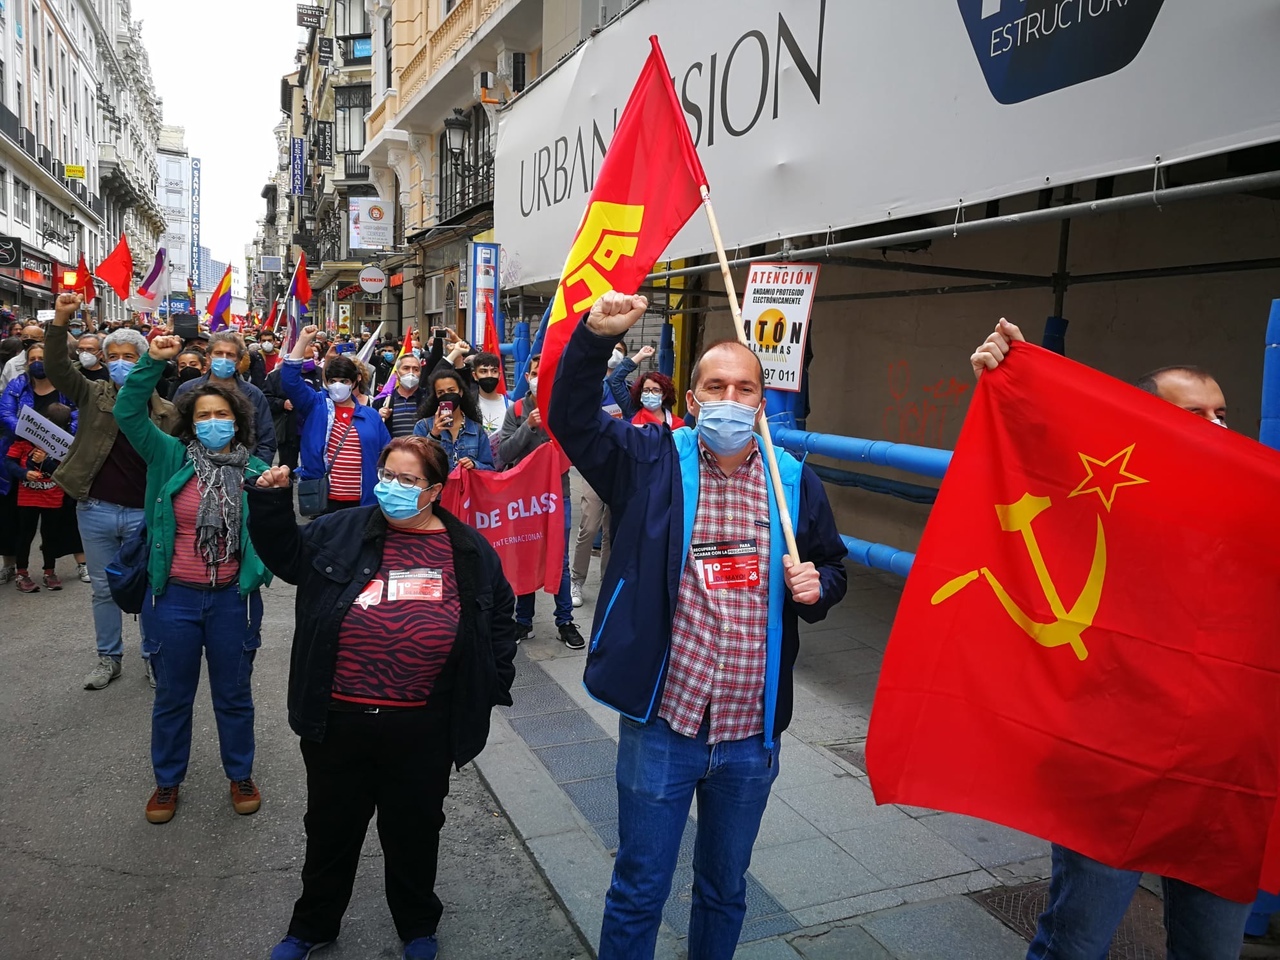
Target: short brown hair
(435, 462)
(1150, 382)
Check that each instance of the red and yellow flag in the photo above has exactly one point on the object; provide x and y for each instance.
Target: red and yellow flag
(648, 187)
(492, 343)
(1087, 648)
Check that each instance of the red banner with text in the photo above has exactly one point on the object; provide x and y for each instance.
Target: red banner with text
(520, 512)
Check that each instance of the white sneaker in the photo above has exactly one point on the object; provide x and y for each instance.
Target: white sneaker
(575, 591)
(8, 574)
(82, 572)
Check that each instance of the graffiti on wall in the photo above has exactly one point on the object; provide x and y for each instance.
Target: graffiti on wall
(921, 414)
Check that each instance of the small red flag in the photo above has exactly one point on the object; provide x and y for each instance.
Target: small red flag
(648, 187)
(84, 281)
(1087, 648)
(117, 269)
(491, 342)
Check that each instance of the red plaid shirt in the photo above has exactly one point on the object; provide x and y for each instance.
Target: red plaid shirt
(717, 658)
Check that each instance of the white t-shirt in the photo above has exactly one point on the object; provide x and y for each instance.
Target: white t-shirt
(493, 412)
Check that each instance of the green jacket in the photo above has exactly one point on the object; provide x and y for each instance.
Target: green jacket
(97, 431)
(168, 470)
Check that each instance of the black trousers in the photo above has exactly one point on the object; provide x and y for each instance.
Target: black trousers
(52, 525)
(336, 505)
(397, 763)
(287, 453)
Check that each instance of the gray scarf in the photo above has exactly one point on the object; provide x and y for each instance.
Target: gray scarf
(219, 477)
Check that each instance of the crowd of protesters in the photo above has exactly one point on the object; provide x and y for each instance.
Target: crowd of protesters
(195, 454)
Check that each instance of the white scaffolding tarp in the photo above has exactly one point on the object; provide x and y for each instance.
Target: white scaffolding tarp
(812, 115)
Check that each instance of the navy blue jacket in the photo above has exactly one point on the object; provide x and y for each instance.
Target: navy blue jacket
(649, 477)
(315, 420)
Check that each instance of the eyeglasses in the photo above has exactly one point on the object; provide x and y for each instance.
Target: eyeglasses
(406, 480)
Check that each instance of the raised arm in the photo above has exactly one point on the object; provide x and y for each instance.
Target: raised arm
(272, 526)
(300, 394)
(132, 410)
(598, 444)
(620, 390)
(58, 367)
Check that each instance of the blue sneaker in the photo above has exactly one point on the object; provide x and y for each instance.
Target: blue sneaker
(291, 948)
(421, 948)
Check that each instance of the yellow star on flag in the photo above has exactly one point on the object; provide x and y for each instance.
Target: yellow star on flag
(1103, 475)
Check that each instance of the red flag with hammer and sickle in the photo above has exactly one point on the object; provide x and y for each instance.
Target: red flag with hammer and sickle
(648, 187)
(1088, 646)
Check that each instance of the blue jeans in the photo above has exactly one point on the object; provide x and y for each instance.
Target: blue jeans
(564, 596)
(226, 626)
(104, 527)
(659, 771)
(1087, 901)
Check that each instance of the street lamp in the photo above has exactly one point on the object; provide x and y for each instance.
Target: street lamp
(456, 129)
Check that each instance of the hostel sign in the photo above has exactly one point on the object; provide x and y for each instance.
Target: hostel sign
(775, 315)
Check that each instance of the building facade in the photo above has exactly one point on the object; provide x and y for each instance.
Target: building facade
(175, 195)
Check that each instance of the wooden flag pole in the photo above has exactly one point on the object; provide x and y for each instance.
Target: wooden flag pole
(784, 514)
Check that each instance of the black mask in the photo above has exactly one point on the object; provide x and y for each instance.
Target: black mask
(454, 398)
(488, 384)
(28, 343)
(187, 374)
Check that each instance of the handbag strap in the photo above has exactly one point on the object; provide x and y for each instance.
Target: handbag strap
(345, 433)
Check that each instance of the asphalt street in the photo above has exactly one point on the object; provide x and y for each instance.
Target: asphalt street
(83, 875)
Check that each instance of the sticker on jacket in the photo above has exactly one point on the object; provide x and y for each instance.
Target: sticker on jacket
(728, 564)
(419, 583)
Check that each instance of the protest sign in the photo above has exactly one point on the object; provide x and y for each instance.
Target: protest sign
(775, 315)
(50, 438)
(520, 512)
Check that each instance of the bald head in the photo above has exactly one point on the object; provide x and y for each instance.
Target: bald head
(1191, 388)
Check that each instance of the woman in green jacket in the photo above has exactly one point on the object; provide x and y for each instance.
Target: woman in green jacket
(203, 573)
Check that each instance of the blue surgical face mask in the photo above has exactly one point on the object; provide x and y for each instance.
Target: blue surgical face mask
(651, 401)
(119, 370)
(397, 502)
(36, 369)
(726, 426)
(215, 434)
(76, 331)
(388, 356)
(222, 368)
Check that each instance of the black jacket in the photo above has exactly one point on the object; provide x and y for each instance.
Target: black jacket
(286, 421)
(332, 559)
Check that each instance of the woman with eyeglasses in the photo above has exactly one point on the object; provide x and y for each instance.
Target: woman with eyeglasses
(403, 642)
(341, 439)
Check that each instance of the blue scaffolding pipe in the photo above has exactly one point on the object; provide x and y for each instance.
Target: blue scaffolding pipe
(925, 461)
(879, 556)
(1269, 433)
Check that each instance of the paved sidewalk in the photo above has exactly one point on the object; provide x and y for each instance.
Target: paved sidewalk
(832, 875)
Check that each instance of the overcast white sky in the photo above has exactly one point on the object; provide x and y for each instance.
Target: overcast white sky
(229, 108)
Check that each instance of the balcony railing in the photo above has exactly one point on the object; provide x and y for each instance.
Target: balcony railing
(462, 21)
(352, 169)
(463, 188)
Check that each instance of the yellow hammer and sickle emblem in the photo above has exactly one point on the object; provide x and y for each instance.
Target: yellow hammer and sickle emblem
(609, 232)
(1070, 624)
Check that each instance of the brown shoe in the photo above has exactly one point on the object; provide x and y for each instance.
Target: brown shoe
(245, 796)
(162, 805)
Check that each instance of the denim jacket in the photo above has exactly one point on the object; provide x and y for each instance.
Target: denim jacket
(472, 442)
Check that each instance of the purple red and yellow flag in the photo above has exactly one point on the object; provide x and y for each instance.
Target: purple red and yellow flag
(219, 309)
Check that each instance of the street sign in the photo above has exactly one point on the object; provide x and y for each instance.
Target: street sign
(10, 248)
(309, 16)
(372, 280)
(298, 167)
(324, 143)
(326, 51)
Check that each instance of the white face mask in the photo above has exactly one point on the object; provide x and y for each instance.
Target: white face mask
(268, 347)
(339, 392)
(533, 384)
(615, 359)
(1221, 423)
(409, 381)
(88, 360)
